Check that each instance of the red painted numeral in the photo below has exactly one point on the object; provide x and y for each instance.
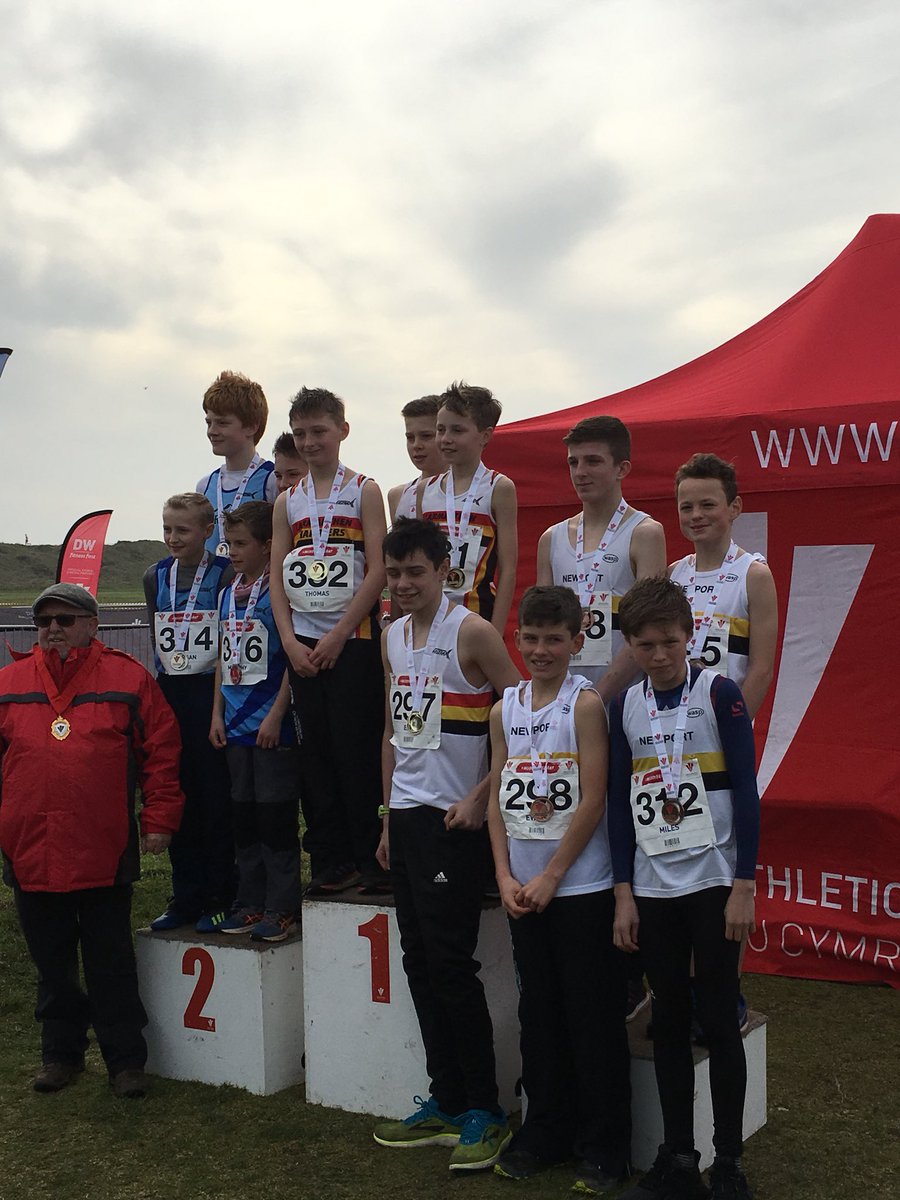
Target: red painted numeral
(376, 931)
(193, 1014)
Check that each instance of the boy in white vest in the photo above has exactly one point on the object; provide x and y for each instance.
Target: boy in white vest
(551, 853)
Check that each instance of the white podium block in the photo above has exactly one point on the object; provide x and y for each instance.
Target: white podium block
(364, 1051)
(223, 1009)
(647, 1125)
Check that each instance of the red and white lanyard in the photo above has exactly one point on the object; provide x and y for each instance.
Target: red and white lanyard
(181, 629)
(235, 637)
(540, 763)
(418, 679)
(320, 526)
(702, 623)
(587, 579)
(670, 766)
(255, 462)
(457, 532)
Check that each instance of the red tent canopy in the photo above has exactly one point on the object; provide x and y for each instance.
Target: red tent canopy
(805, 404)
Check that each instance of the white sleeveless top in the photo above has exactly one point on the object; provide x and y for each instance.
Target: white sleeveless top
(731, 607)
(406, 505)
(681, 872)
(346, 528)
(446, 774)
(483, 532)
(617, 577)
(592, 870)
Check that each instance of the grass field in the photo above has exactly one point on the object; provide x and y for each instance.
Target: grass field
(833, 1114)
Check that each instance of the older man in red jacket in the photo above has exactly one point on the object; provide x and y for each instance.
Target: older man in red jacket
(82, 727)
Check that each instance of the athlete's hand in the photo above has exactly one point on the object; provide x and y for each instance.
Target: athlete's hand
(509, 889)
(269, 732)
(626, 922)
(740, 911)
(300, 659)
(155, 843)
(328, 650)
(465, 814)
(217, 732)
(383, 853)
(537, 893)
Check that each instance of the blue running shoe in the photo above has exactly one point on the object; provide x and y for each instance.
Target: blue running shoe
(485, 1135)
(428, 1126)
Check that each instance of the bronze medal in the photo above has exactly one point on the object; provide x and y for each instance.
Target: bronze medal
(222, 550)
(585, 618)
(672, 812)
(178, 661)
(60, 728)
(456, 578)
(317, 571)
(236, 674)
(541, 810)
(415, 723)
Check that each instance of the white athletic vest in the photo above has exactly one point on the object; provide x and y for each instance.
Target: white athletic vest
(684, 871)
(406, 505)
(617, 577)
(483, 530)
(346, 528)
(732, 607)
(592, 870)
(447, 774)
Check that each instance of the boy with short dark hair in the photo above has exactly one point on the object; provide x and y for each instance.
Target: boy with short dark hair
(289, 464)
(236, 416)
(251, 722)
(551, 853)
(731, 591)
(601, 550)
(684, 831)
(420, 418)
(475, 507)
(182, 593)
(441, 664)
(326, 590)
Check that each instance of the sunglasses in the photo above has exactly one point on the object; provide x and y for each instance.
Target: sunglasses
(63, 620)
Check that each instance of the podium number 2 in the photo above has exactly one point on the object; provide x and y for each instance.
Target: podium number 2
(376, 931)
(193, 1014)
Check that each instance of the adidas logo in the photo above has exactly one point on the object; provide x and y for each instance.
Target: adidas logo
(440, 878)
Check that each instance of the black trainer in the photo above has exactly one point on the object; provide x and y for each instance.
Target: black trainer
(667, 1179)
(519, 1164)
(728, 1181)
(592, 1179)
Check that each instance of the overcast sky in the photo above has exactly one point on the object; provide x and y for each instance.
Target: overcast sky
(555, 198)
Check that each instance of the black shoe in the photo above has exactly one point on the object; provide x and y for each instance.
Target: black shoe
(728, 1181)
(519, 1164)
(54, 1076)
(375, 882)
(594, 1180)
(668, 1180)
(130, 1084)
(333, 880)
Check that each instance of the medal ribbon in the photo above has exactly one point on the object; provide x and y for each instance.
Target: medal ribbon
(320, 528)
(540, 763)
(702, 624)
(417, 680)
(248, 613)
(255, 461)
(60, 700)
(670, 767)
(181, 630)
(457, 532)
(587, 580)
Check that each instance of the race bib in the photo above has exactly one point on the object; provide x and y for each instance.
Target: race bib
(713, 654)
(416, 729)
(198, 654)
(596, 625)
(463, 564)
(253, 666)
(662, 825)
(529, 816)
(319, 584)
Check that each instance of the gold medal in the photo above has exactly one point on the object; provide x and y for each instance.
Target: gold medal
(541, 810)
(456, 577)
(60, 728)
(178, 661)
(316, 571)
(415, 723)
(672, 812)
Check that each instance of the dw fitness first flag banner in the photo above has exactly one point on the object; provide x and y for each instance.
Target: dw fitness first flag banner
(81, 554)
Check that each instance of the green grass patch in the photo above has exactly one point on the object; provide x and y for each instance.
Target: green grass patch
(833, 1122)
(27, 570)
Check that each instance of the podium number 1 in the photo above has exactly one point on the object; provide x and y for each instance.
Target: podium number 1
(193, 1014)
(376, 931)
